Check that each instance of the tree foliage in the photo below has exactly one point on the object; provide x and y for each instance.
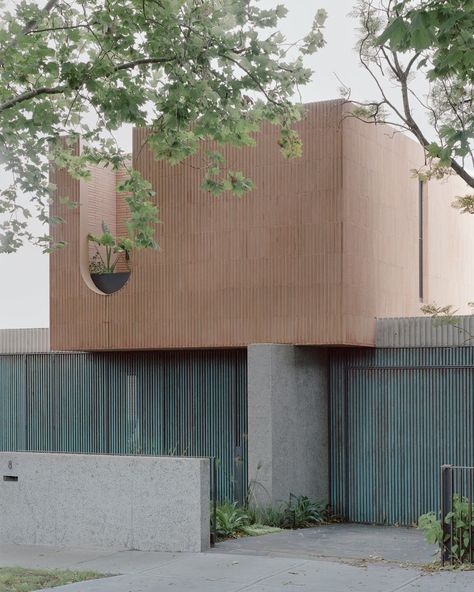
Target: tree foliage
(188, 69)
(435, 39)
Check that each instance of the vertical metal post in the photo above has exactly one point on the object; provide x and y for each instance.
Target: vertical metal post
(470, 474)
(420, 241)
(238, 475)
(27, 404)
(347, 494)
(446, 506)
(459, 529)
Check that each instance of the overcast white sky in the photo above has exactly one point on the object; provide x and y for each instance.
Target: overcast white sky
(24, 283)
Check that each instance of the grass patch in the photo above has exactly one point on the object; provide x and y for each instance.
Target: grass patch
(259, 529)
(18, 579)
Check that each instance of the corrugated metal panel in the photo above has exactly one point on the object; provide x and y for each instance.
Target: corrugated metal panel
(424, 332)
(18, 341)
(161, 403)
(396, 416)
(12, 402)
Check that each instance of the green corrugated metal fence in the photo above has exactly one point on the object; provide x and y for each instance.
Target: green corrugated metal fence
(396, 416)
(191, 403)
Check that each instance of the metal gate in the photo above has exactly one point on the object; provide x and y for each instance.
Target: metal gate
(191, 403)
(396, 416)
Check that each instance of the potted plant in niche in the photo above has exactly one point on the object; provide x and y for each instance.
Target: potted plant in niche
(103, 264)
(110, 250)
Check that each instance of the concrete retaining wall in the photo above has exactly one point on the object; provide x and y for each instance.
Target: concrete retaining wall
(288, 422)
(130, 502)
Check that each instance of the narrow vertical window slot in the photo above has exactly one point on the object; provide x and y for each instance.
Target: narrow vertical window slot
(420, 241)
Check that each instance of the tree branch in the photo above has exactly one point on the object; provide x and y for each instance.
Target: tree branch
(32, 24)
(45, 10)
(143, 61)
(44, 90)
(31, 94)
(251, 76)
(415, 129)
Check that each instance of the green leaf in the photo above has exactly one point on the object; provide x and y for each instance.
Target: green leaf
(197, 74)
(396, 33)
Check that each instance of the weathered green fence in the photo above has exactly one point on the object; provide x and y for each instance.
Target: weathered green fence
(190, 403)
(397, 415)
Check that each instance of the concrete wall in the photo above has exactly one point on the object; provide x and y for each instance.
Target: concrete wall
(288, 422)
(143, 503)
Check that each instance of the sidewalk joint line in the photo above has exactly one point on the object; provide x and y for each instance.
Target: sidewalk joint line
(277, 573)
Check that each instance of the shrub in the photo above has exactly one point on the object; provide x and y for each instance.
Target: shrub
(230, 519)
(461, 519)
(268, 516)
(300, 511)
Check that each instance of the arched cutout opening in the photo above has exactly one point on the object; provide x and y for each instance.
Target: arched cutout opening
(103, 269)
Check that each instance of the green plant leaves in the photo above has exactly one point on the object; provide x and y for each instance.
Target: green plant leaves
(298, 512)
(461, 522)
(396, 33)
(191, 71)
(230, 519)
(434, 39)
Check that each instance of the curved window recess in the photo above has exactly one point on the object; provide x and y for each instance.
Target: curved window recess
(102, 284)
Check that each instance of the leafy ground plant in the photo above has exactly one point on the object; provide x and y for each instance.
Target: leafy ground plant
(301, 511)
(230, 519)
(298, 512)
(269, 516)
(17, 579)
(461, 523)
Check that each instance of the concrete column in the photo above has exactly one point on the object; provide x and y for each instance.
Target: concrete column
(288, 422)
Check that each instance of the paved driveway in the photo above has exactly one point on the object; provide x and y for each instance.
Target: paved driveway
(339, 541)
(276, 563)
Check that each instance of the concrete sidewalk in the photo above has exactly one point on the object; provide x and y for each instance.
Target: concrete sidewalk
(218, 572)
(274, 563)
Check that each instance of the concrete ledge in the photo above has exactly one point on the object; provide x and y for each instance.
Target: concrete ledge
(130, 502)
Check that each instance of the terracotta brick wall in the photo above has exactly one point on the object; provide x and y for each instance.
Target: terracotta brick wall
(450, 244)
(381, 232)
(321, 247)
(122, 208)
(122, 213)
(102, 205)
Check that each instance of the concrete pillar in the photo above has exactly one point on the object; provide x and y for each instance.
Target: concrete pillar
(288, 422)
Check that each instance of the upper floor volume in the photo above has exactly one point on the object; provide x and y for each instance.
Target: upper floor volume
(321, 247)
